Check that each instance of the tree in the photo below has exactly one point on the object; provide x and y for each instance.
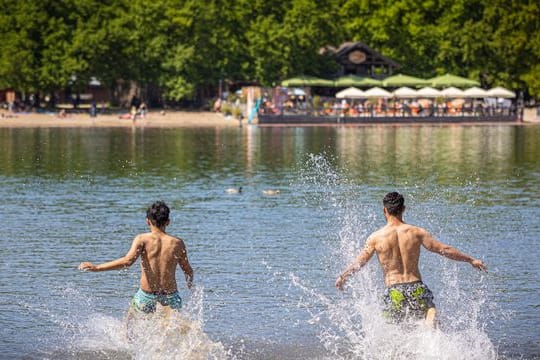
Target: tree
(21, 24)
(187, 46)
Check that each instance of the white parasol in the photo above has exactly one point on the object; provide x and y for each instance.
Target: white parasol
(475, 93)
(377, 92)
(501, 93)
(405, 92)
(452, 92)
(428, 92)
(351, 93)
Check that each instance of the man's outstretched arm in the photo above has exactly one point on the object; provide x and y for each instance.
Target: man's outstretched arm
(429, 242)
(185, 265)
(121, 263)
(361, 260)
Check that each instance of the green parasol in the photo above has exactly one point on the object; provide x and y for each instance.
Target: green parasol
(356, 81)
(448, 80)
(306, 80)
(403, 80)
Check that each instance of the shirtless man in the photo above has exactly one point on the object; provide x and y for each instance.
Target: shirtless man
(398, 250)
(160, 254)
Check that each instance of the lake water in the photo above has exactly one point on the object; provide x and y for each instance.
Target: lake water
(266, 265)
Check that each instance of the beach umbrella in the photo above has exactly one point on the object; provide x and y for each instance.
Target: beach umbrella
(448, 80)
(351, 93)
(377, 92)
(475, 93)
(306, 81)
(405, 92)
(428, 92)
(357, 81)
(501, 93)
(403, 80)
(452, 92)
(94, 82)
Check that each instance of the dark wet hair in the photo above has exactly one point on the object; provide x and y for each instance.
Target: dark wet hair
(394, 203)
(158, 213)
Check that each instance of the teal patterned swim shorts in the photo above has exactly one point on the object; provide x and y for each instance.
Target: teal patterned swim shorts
(146, 302)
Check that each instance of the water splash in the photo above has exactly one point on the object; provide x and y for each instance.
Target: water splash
(164, 335)
(351, 324)
(171, 335)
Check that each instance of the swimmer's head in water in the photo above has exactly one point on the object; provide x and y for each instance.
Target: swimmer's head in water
(394, 203)
(158, 214)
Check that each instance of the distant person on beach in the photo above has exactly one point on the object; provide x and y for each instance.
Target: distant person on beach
(143, 109)
(160, 254)
(133, 113)
(93, 109)
(217, 105)
(398, 250)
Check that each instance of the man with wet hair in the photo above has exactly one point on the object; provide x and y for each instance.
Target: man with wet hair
(398, 250)
(394, 203)
(160, 254)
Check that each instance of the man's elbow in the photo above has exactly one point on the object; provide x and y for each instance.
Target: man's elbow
(128, 261)
(446, 250)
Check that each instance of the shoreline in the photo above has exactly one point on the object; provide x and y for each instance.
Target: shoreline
(173, 119)
(179, 119)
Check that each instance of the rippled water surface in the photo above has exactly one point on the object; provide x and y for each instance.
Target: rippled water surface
(265, 265)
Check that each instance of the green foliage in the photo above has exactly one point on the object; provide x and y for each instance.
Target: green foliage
(226, 109)
(188, 46)
(316, 102)
(236, 112)
(176, 72)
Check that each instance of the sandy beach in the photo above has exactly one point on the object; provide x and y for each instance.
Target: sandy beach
(153, 119)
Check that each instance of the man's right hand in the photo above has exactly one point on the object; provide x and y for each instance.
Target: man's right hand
(340, 282)
(479, 265)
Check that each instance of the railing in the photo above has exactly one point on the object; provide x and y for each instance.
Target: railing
(372, 115)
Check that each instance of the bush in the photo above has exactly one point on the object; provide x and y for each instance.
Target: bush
(226, 109)
(237, 112)
(316, 101)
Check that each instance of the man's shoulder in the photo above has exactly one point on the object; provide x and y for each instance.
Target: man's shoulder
(413, 228)
(378, 235)
(143, 236)
(386, 231)
(174, 240)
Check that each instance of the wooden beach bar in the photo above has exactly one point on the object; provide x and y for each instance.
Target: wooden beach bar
(360, 108)
(366, 91)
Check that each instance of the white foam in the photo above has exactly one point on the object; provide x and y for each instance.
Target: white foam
(164, 335)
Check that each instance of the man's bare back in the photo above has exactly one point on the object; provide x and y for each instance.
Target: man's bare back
(398, 250)
(160, 254)
(398, 247)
